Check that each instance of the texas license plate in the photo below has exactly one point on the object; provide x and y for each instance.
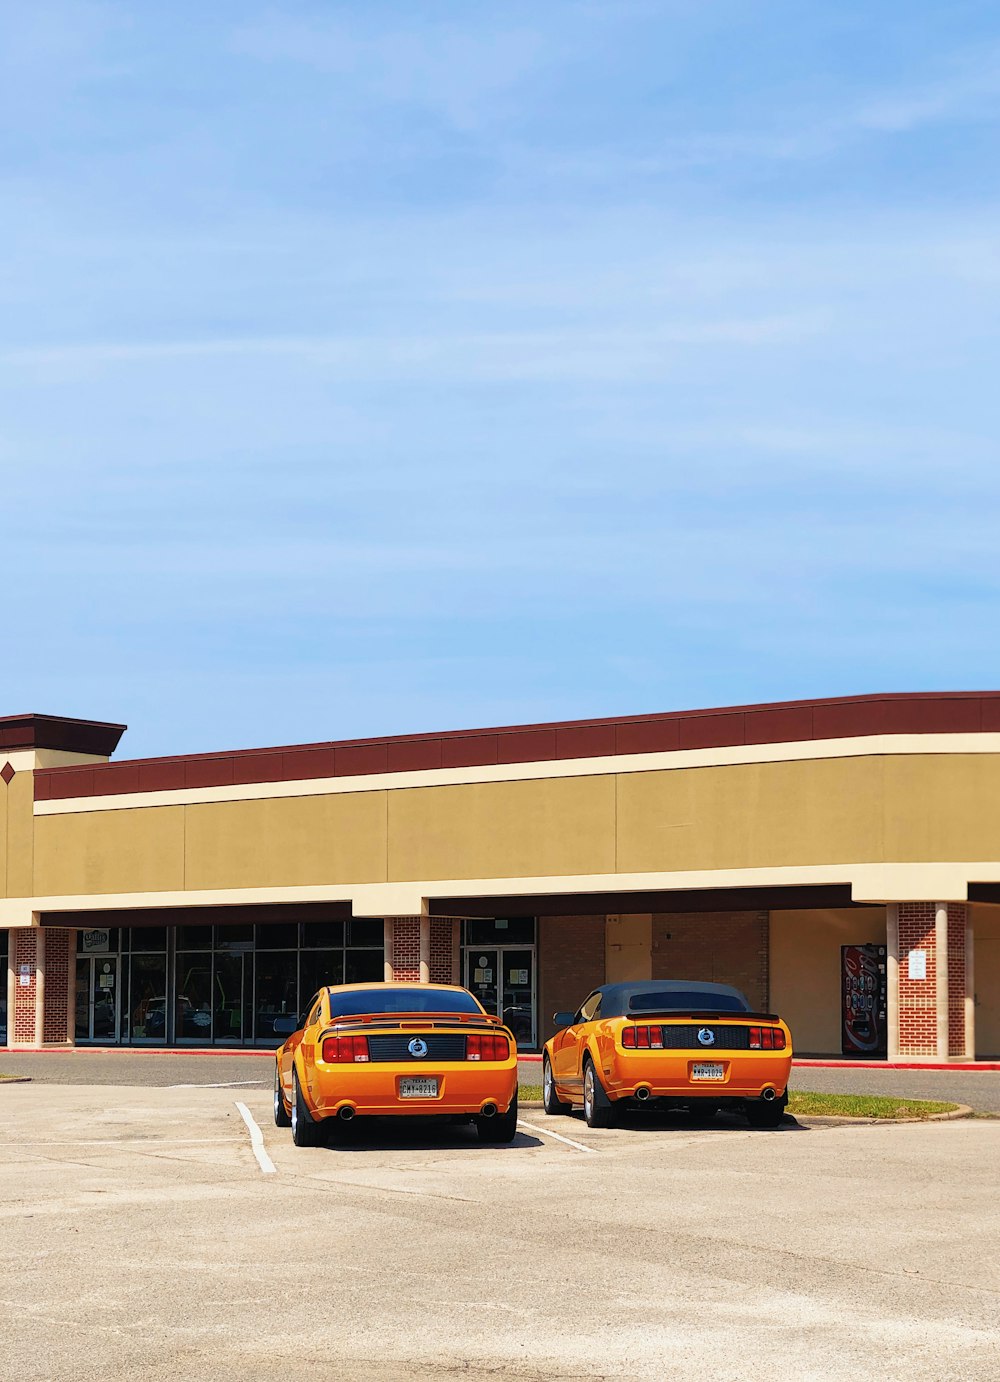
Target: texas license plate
(708, 1070)
(418, 1089)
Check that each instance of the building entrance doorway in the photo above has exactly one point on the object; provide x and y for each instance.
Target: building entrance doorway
(503, 979)
(98, 998)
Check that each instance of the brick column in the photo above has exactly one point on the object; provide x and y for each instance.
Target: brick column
(59, 997)
(22, 1020)
(406, 948)
(931, 983)
(421, 949)
(443, 931)
(42, 1009)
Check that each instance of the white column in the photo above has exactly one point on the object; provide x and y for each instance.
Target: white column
(892, 978)
(425, 950)
(970, 991)
(388, 938)
(456, 952)
(941, 960)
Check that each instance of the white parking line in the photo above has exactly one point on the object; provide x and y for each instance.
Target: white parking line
(223, 1084)
(256, 1141)
(544, 1132)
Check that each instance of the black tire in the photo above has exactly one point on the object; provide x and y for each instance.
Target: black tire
(502, 1127)
(550, 1101)
(282, 1118)
(598, 1111)
(765, 1115)
(305, 1130)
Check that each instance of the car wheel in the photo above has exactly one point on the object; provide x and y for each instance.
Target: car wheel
(765, 1115)
(550, 1100)
(282, 1118)
(502, 1127)
(305, 1131)
(598, 1110)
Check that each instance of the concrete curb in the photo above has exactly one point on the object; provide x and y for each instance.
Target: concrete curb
(962, 1111)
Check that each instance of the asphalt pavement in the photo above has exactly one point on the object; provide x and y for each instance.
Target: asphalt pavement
(979, 1089)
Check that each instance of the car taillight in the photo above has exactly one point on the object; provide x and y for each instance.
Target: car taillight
(779, 1039)
(487, 1046)
(345, 1049)
(642, 1038)
(767, 1039)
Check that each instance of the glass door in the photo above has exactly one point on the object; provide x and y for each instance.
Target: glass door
(517, 982)
(233, 1007)
(503, 979)
(97, 998)
(482, 976)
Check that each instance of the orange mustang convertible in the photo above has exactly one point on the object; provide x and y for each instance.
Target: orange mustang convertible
(395, 1049)
(677, 1043)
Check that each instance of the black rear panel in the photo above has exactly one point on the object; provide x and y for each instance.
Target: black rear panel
(440, 1046)
(684, 1037)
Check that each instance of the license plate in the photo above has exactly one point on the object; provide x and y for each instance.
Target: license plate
(708, 1070)
(418, 1089)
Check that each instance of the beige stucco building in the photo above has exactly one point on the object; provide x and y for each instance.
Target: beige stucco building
(192, 899)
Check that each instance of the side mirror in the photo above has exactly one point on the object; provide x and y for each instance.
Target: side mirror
(286, 1025)
(563, 1020)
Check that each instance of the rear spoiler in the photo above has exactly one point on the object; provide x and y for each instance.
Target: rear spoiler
(695, 1015)
(396, 1020)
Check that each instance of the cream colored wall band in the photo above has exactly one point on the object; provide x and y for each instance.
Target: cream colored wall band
(870, 746)
(870, 883)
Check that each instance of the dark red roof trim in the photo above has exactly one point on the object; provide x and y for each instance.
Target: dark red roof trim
(948, 712)
(98, 737)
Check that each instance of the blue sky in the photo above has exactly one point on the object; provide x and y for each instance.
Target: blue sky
(393, 367)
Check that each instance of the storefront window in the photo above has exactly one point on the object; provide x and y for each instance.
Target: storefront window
(194, 937)
(213, 985)
(193, 1003)
(317, 968)
(500, 931)
(276, 991)
(148, 994)
(316, 934)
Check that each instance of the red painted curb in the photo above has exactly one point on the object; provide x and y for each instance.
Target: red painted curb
(895, 1065)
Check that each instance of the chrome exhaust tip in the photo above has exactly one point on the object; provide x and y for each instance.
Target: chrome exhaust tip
(768, 1095)
(345, 1114)
(642, 1093)
(487, 1110)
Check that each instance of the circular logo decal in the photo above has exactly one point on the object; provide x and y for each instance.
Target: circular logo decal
(417, 1047)
(706, 1036)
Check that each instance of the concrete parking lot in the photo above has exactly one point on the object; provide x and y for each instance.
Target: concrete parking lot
(142, 1236)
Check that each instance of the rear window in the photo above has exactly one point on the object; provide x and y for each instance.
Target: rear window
(687, 1000)
(390, 1000)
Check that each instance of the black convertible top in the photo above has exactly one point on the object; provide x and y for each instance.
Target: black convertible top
(666, 995)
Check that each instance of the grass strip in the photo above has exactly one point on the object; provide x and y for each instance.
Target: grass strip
(863, 1106)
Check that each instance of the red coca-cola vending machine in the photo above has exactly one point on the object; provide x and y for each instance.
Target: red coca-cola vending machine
(863, 1001)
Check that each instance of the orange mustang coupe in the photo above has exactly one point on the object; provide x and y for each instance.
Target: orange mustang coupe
(395, 1049)
(680, 1044)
